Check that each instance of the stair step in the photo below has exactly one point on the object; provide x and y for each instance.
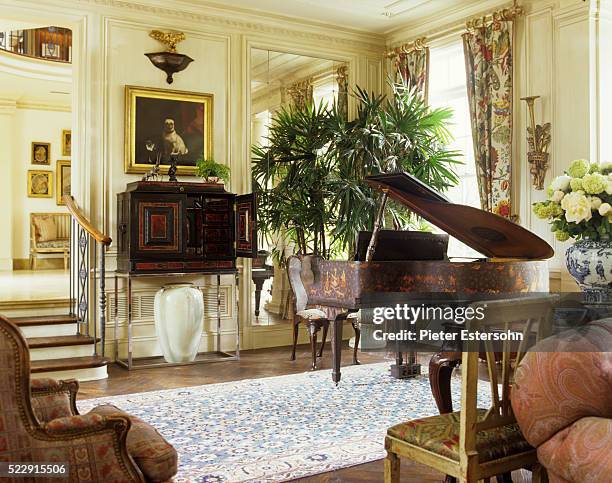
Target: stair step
(44, 320)
(67, 364)
(60, 341)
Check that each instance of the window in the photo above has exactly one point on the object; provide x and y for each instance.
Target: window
(325, 90)
(447, 88)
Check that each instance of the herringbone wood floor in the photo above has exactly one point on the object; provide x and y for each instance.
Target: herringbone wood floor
(254, 364)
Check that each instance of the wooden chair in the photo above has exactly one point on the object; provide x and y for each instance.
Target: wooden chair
(58, 243)
(40, 423)
(476, 444)
(315, 319)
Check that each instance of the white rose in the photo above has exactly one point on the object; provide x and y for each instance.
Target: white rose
(595, 202)
(557, 196)
(604, 209)
(577, 207)
(561, 183)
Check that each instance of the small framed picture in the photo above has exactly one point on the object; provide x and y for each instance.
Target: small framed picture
(41, 153)
(40, 184)
(62, 180)
(66, 142)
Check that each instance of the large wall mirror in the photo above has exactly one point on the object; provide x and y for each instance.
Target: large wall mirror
(280, 82)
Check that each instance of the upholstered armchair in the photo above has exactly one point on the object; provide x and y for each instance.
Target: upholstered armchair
(39, 422)
(562, 400)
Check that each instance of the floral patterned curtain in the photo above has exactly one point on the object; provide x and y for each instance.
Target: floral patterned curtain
(412, 68)
(342, 81)
(301, 93)
(488, 62)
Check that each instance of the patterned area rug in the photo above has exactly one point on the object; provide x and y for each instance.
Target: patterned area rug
(280, 428)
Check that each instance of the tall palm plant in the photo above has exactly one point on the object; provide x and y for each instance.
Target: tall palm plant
(291, 176)
(310, 178)
(399, 133)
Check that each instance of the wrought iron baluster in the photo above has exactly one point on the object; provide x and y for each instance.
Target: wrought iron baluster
(83, 276)
(95, 297)
(70, 267)
(102, 300)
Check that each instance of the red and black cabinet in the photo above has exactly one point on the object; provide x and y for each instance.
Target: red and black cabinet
(183, 227)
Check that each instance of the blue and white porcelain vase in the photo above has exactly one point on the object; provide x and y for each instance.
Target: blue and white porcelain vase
(179, 320)
(590, 263)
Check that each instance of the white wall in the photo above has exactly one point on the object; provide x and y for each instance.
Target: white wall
(33, 125)
(110, 40)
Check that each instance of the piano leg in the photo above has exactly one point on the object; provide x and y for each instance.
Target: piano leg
(336, 343)
(441, 368)
(258, 287)
(357, 338)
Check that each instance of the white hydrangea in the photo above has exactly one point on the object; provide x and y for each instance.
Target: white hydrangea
(561, 183)
(577, 207)
(557, 196)
(609, 186)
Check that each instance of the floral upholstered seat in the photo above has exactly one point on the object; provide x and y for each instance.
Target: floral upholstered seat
(440, 434)
(39, 422)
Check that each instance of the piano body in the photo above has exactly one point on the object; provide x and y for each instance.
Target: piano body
(515, 260)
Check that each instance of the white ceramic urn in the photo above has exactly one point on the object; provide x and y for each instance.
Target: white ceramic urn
(179, 320)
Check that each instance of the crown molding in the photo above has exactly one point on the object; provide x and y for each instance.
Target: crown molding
(7, 107)
(245, 21)
(43, 106)
(23, 66)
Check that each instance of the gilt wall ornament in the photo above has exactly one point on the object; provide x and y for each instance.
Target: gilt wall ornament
(538, 140)
(170, 61)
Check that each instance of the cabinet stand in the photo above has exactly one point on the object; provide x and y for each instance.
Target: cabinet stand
(144, 362)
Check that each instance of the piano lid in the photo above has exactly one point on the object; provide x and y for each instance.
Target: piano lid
(490, 234)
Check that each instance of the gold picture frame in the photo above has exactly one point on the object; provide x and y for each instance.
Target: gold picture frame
(62, 180)
(40, 184)
(158, 121)
(67, 142)
(41, 153)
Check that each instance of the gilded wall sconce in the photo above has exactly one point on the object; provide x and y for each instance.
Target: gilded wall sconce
(538, 139)
(170, 61)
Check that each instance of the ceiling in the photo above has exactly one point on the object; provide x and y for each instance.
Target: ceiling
(379, 16)
(276, 68)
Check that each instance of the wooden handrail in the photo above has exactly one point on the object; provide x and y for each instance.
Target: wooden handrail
(82, 220)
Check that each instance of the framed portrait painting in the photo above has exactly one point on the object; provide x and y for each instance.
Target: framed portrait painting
(40, 184)
(161, 123)
(62, 180)
(41, 153)
(66, 142)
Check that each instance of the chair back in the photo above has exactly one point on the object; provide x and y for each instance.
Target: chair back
(294, 273)
(61, 221)
(15, 383)
(524, 316)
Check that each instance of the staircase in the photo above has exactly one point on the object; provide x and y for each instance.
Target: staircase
(68, 342)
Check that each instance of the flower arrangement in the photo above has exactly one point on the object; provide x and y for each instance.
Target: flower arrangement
(210, 170)
(579, 203)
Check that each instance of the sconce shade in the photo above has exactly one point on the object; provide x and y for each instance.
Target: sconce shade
(170, 63)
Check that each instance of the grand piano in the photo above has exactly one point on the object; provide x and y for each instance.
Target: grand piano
(514, 261)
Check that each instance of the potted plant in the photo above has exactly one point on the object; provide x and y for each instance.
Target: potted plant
(212, 171)
(310, 178)
(579, 208)
(399, 132)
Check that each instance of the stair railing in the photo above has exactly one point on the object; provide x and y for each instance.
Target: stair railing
(87, 284)
(47, 43)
